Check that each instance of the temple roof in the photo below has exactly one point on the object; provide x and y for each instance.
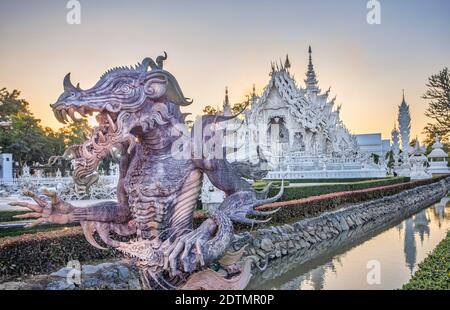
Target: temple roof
(309, 106)
(437, 153)
(312, 111)
(437, 143)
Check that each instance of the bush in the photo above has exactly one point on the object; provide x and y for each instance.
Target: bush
(346, 180)
(293, 193)
(434, 271)
(294, 210)
(46, 251)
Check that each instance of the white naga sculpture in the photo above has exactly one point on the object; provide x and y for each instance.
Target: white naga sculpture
(418, 162)
(25, 171)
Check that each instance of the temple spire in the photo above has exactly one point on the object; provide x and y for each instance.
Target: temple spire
(226, 104)
(311, 79)
(287, 63)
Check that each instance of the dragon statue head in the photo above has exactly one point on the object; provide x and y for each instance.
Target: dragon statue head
(129, 101)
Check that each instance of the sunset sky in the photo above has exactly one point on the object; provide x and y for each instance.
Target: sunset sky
(213, 44)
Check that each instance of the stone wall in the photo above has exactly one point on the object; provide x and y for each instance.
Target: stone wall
(278, 241)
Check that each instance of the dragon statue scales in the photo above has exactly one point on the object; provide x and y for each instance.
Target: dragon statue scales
(139, 117)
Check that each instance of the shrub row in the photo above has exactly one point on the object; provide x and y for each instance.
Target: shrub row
(346, 180)
(434, 271)
(45, 252)
(297, 209)
(292, 193)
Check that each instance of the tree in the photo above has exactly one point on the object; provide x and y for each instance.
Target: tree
(438, 95)
(75, 132)
(376, 158)
(26, 138)
(389, 157)
(10, 104)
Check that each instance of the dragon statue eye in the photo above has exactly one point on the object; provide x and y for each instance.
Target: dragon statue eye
(125, 88)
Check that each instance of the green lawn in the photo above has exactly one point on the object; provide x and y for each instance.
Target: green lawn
(6, 217)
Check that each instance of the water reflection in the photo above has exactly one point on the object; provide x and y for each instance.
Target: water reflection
(342, 263)
(409, 245)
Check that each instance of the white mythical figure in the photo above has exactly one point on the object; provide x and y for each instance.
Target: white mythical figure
(395, 147)
(419, 162)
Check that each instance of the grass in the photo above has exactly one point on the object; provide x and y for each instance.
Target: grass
(18, 231)
(340, 180)
(434, 271)
(7, 216)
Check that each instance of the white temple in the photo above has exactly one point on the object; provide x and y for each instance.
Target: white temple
(300, 132)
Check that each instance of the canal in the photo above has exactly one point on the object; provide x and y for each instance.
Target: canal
(380, 257)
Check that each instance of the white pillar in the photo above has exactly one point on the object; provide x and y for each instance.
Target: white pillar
(6, 167)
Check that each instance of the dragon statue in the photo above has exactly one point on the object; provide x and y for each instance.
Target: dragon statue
(139, 118)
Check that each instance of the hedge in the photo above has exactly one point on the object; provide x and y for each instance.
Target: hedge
(434, 271)
(292, 193)
(294, 210)
(340, 180)
(45, 252)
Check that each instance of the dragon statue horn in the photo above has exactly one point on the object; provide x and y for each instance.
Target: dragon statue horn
(68, 86)
(149, 62)
(160, 59)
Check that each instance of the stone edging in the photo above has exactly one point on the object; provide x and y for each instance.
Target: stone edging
(277, 241)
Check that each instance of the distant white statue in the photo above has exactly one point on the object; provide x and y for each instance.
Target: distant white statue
(58, 174)
(25, 171)
(395, 148)
(418, 162)
(115, 169)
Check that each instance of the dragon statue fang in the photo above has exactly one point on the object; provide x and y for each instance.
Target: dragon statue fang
(139, 117)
